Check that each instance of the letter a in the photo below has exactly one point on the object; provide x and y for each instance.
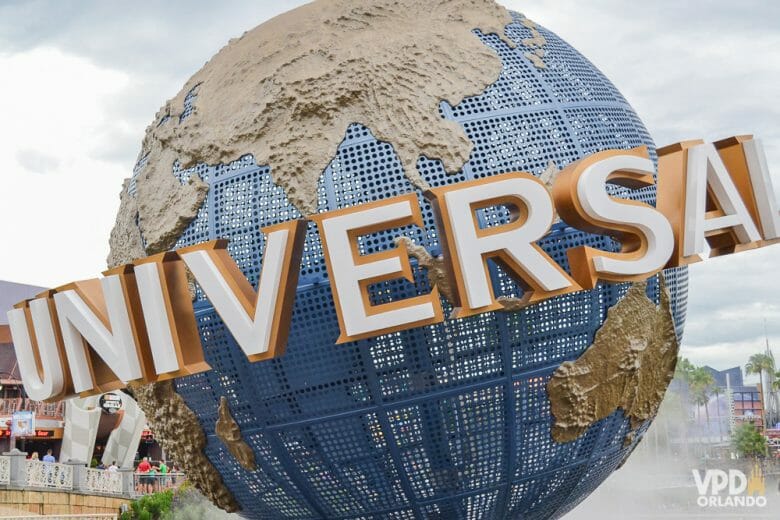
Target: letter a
(746, 162)
(698, 196)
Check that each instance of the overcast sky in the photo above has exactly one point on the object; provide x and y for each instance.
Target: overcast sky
(80, 80)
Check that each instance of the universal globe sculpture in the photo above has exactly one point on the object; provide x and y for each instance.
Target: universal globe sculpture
(446, 421)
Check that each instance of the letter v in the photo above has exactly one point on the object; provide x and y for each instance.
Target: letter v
(702, 484)
(259, 322)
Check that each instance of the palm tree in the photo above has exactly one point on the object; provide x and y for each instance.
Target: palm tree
(684, 369)
(701, 382)
(760, 364)
(776, 383)
(700, 397)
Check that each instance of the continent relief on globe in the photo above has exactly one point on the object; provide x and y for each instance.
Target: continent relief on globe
(286, 92)
(628, 367)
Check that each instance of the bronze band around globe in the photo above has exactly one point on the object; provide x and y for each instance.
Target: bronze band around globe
(139, 320)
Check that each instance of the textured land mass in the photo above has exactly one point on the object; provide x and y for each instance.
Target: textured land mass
(437, 272)
(165, 206)
(175, 424)
(535, 45)
(229, 433)
(125, 242)
(183, 439)
(159, 212)
(628, 367)
(287, 90)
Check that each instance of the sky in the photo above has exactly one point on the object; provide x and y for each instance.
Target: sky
(81, 80)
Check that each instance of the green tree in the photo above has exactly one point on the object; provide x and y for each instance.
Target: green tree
(701, 383)
(150, 507)
(748, 441)
(762, 364)
(684, 369)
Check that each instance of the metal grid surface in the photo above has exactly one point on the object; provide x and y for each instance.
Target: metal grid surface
(447, 421)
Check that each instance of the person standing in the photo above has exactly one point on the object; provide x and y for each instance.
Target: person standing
(163, 475)
(175, 475)
(113, 468)
(154, 482)
(49, 457)
(145, 482)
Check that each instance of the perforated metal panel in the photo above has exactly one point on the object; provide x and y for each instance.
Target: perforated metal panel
(446, 421)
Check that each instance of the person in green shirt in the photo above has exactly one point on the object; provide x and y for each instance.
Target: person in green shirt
(163, 475)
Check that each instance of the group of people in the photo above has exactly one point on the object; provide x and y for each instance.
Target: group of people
(153, 477)
(113, 468)
(46, 458)
(150, 477)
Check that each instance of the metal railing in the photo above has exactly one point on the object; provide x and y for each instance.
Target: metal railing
(146, 483)
(16, 404)
(17, 472)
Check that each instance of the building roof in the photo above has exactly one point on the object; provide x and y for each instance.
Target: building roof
(12, 293)
(734, 376)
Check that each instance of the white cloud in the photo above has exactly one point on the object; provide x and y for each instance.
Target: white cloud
(53, 103)
(55, 225)
(35, 161)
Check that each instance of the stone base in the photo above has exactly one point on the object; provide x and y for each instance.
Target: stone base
(58, 502)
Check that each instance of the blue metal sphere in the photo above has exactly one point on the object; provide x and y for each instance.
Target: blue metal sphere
(446, 421)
